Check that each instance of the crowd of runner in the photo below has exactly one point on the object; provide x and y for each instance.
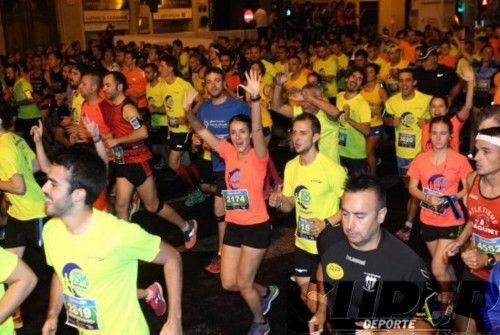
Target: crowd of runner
(98, 123)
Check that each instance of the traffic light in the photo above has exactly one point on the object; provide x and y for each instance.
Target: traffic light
(460, 6)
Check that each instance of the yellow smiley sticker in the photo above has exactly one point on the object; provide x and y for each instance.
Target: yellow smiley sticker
(334, 271)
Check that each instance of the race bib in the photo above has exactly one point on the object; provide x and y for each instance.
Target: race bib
(342, 139)
(407, 140)
(438, 210)
(304, 229)
(487, 245)
(235, 199)
(81, 313)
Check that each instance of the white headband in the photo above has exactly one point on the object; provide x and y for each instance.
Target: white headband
(489, 139)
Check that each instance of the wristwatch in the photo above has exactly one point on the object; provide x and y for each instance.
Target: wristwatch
(491, 261)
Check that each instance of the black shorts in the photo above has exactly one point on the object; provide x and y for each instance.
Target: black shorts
(136, 173)
(179, 141)
(220, 181)
(431, 233)
(354, 165)
(256, 236)
(158, 135)
(305, 264)
(206, 172)
(471, 297)
(20, 233)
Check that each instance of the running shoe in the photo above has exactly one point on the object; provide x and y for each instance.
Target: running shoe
(135, 205)
(190, 234)
(18, 319)
(214, 266)
(195, 197)
(156, 300)
(259, 328)
(272, 293)
(404, 233)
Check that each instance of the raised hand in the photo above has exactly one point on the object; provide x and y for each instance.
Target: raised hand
(37, 132)
(253, 83)
(189, 97)
(91, 127)
(281, 78)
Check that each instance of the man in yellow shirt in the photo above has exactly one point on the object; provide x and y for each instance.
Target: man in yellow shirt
(310, 100)
(374, 56)
(389, 72)
(326, 66)
(313, 185)
(95, 255)
(25, 214)
(354, 122)
(406, 111)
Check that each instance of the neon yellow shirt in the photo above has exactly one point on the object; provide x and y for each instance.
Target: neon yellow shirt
(76, 106)
(379, 61)
(184, 63)
(329, 141)
(408, 133)
(156, 96)
(174, 100)
(270, 73)
(8, 262)
(22, 91)
(280, 67)
(352, 143)
(16, 157)
(327, 67)
(98, 272)
(317, 189)
(342, 61)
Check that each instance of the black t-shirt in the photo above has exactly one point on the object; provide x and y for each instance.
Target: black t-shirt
(38, 83)
(435, 82)
(59, 85)
(390, 282)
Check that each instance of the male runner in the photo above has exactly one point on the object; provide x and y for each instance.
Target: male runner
(313, 185)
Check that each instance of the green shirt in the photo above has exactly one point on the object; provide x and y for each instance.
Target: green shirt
(16, 157)
(352, 142)
(24, 91)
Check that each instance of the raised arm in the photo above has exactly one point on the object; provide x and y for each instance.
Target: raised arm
(276, 103)
(252, 87)
(198, 127)
(468, 76)
(41, 156)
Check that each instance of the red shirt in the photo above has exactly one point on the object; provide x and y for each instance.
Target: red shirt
(136, 81)
(484, 213)
(136, 152)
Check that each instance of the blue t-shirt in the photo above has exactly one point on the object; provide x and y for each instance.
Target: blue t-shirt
(216, 119)
(491, 309)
